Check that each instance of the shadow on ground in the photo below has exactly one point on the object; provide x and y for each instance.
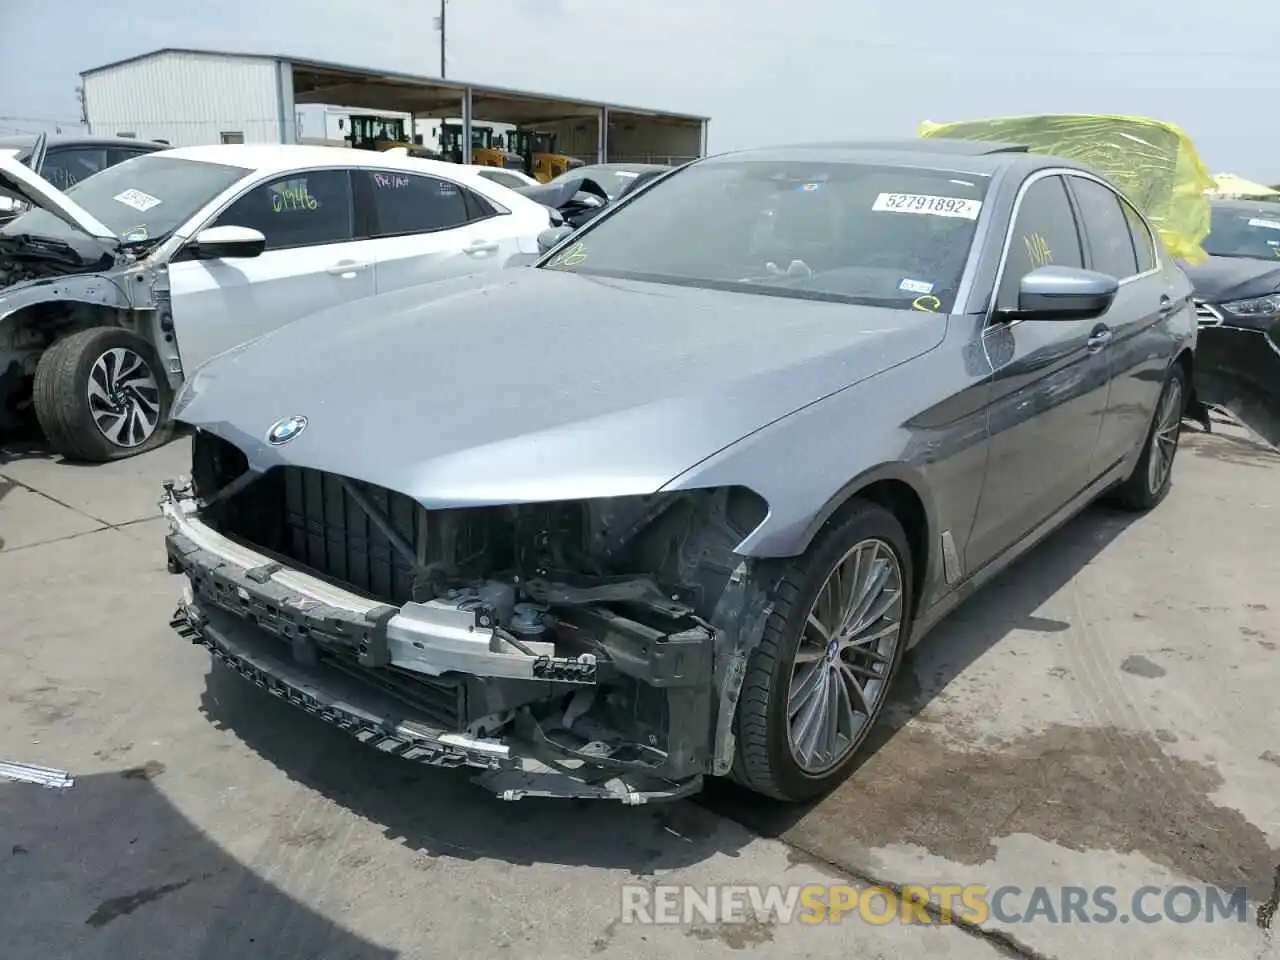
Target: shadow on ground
(442, 813)
(108, 868)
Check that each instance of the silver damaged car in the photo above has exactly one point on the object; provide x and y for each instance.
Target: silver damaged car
(673, 502)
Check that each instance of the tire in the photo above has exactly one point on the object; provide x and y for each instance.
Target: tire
(766, 760)
(1146, 487)
(128, 412)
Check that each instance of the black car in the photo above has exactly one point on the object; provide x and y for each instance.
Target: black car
(1237, 293)
(581, 194)
(69, 159)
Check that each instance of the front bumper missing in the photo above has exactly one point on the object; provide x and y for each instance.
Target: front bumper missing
(279, 629)
(1238, 368)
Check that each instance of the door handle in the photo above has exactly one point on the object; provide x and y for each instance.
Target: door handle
(346, 269)
(1098, 339)
(1168, 306)
(480, 246)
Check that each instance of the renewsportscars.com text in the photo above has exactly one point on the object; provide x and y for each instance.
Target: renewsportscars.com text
(934, 904)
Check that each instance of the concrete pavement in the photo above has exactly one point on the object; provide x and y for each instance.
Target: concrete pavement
(1105, 714)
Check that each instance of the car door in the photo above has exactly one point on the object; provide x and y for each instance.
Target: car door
(311, 261)
(425, 228)
(1119, 242)
(1048, 388)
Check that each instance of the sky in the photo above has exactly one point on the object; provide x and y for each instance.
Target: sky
(765, 71)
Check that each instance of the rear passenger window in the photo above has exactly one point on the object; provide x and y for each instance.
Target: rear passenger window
(1143, 245)
(1044, 234)
(1105, 228)
(297, 210)
(405, 203)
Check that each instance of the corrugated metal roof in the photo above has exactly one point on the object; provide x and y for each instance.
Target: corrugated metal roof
(373, 73)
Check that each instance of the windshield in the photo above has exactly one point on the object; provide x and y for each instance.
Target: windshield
(141, 199)
(1244, 231)
(858, 233)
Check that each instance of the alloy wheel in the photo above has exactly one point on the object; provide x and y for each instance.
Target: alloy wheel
(847, 649)
(1164, 437)
(124, 397)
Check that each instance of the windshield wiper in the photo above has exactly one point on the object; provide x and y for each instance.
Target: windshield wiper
(46, 246)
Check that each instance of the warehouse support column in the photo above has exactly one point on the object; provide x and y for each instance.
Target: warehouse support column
(705, 124)
(286, 108)
(466, 125)
(602, 140)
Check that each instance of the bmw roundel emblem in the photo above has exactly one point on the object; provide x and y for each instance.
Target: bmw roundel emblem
(282, 431)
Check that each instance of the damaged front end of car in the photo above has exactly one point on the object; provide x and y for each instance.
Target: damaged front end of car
(590, 648)
(51, 286)
(1238, 362)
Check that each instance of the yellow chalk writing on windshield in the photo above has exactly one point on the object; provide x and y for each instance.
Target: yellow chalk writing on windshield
(927, 304)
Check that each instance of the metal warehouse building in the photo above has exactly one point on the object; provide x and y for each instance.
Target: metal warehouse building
(190, 97)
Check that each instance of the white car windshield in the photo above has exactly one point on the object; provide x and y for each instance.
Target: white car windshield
(142, 199)
(824, 230)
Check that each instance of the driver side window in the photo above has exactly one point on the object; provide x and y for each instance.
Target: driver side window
(1044, 233)
(302, 209)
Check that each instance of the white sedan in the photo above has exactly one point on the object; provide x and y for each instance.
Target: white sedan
(206, 247)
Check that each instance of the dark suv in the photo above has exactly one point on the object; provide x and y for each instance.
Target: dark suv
(69, 159)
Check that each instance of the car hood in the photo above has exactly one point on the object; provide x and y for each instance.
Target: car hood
(1223, 279)
(18, 182)
(539, 385)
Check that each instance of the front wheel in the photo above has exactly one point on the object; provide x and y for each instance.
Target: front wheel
(819, 679)
(100, 395)
(1153, 474)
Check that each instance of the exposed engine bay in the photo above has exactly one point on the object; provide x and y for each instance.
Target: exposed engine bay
(596, 645)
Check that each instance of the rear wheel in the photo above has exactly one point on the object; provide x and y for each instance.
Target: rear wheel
(100, 395)
(819, 679)
(1153, 475)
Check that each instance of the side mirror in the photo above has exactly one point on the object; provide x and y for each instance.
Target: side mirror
(1065, 293)
(551, 236)
(228, 243)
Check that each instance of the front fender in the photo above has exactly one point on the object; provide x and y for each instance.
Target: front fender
(92, 289)
(138, 293)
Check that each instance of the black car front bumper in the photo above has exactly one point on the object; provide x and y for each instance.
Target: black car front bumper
(325, 653)
(1237, 368)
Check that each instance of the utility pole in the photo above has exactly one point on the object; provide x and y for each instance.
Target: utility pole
(443, 3)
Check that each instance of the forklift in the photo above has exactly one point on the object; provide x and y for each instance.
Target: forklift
(486, 149)
(538, 151)
(371, 132)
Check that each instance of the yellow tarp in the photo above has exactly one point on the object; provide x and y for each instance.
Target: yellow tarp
(1154, 163)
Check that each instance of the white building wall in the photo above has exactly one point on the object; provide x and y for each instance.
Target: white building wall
(188, 99)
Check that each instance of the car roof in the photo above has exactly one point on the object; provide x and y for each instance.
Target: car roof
(959, 156)
(28, 140)
(1244, 205)
(281, 157)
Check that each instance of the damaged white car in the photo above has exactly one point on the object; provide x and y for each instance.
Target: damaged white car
(112, 291)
